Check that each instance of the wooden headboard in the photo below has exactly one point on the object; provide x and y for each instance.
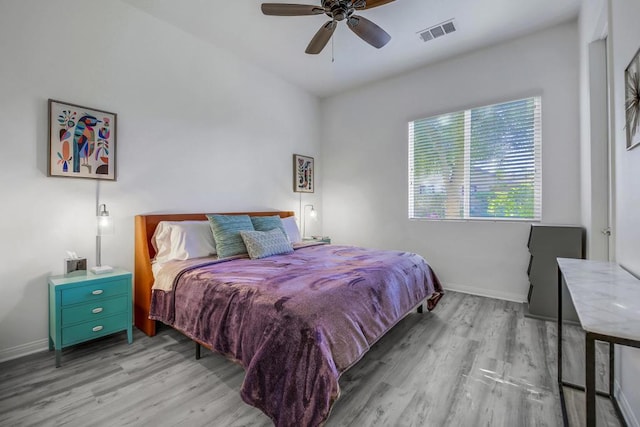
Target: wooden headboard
(143, 278)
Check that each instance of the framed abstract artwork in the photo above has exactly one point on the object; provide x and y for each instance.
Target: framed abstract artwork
(82, 142)
(632, 101)
(302, 174)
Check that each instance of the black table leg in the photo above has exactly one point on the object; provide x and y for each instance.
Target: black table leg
(559, 328)
(565, 418)
(612, 361)
(590, 376)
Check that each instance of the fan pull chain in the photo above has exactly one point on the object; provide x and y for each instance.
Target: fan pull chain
(333, 59)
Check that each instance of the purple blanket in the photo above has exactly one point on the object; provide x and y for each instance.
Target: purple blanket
(296, 322)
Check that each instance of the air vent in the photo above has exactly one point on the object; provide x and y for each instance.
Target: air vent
(436, 31)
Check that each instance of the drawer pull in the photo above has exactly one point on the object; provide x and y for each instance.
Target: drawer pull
(97, 310)
(97, 328)
(97, 292)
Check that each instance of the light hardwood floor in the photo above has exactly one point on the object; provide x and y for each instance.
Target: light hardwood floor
(473, 361)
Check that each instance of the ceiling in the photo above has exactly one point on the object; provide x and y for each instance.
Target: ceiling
(278, 43)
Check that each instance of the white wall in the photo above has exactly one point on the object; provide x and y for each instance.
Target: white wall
(198, 130)
(364, 149)
(625, 42)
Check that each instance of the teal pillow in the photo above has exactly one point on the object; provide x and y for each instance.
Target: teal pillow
(226, 233)
(267, 223)
(262, 244)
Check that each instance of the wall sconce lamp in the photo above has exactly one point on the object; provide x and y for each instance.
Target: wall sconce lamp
(313, 214)
(105, 226)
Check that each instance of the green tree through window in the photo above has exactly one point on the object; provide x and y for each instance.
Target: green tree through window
(477, 163)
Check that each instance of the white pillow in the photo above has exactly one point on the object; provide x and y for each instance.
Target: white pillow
(180, 240)
(291, 228)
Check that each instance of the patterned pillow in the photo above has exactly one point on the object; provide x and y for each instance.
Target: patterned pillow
(267, 223)
(226, 232)
(262, 244)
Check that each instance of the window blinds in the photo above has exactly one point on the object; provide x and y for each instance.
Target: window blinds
(481, 163)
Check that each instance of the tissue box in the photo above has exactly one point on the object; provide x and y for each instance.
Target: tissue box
(75, 267)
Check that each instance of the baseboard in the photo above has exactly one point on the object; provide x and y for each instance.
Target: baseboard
(625, 407)
(525, 309)
(507, 296)
(24, 349)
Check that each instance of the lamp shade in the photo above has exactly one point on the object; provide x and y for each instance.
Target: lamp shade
(313, 214)
(105, 222)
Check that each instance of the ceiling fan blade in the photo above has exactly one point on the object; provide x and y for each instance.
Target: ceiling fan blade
(319, 41)
(368, 31)
(372, 3)
(285, 9)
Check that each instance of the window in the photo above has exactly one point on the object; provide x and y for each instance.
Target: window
(482, 163)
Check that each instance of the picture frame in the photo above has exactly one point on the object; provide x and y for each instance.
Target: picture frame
(303, 179)
(632, 101)
(82, 142)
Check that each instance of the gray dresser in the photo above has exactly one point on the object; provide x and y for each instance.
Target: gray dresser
(546, 243)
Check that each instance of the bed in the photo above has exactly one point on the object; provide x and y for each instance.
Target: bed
(295, 322)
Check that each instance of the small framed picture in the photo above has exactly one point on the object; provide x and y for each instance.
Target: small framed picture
(82, 142)
(632, 101)
(302, 174)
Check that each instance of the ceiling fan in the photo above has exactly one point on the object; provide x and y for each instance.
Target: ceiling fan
(337, 10)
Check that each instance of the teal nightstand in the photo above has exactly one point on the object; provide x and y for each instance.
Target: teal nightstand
(325, 239)
(90, 306)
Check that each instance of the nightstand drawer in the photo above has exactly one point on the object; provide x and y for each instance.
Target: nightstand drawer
(93, 292)
(94, 329)
(94, 310)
